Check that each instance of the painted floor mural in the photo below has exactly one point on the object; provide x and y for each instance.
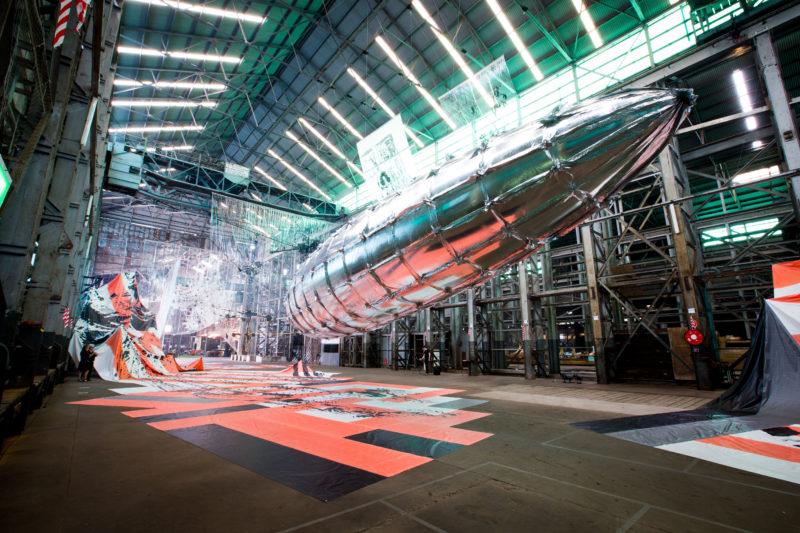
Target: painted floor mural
(321, 434)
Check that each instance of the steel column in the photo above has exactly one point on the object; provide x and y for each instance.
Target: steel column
(781, 110)
(474, 370)
(525, 316)
(595, 309)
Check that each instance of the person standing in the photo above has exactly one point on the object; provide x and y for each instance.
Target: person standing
(87, 361)
(426, 359)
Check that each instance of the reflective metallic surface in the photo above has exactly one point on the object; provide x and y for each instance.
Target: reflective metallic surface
(479, 214)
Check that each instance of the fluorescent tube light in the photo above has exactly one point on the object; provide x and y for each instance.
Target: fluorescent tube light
(296, 172)
(169, 148)
(339, 117)
(364, 85)
(116, 102)
(355, 168)
(270, 178)
(203, 10)
(313, 154)
(417, 4)
(307, 125)
(756, 175)
(118, 82)
(414, 81)
(87, 126)
(588, 23)
(151, 129)
(518, 44)
(744, 98)
(141, 51)
(308, 207)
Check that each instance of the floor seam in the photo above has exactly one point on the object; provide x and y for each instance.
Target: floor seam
(383, 499)
(412, 516)
(633, 519)
(669, 469)
(618, 496)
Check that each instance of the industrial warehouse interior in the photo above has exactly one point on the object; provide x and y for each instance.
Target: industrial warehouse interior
(383, 265)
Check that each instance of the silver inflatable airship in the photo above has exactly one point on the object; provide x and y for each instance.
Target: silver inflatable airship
(479, 214)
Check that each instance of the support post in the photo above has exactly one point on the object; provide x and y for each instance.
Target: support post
(782, 112)
(474, 370)
(525, 310)
(393, 341)
(596, 318)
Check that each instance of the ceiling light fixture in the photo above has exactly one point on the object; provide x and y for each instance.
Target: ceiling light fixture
(170, 148)
(364, 85)
(308, 207)
(744, 98)
(339, 117)
(118, 82)
(307, 125)
(417, 4)
(203, 10)
(141, 51)
(116, 102)
(414, 81)
(296, 172)
(518, 44)
(313, 154)
(270, 178)
(588, 23)
(151, 129)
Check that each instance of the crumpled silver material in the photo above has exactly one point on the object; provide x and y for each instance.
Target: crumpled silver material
(477, 215)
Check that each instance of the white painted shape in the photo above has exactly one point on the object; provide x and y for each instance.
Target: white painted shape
(335, 415)
(749, 462)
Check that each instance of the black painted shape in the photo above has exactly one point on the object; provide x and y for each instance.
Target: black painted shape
(199, 412)
(318, 477)
(402, 442)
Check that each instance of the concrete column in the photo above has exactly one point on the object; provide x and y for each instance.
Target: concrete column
(473, 356)
(786, 129)
(595, 309)
(525, 309)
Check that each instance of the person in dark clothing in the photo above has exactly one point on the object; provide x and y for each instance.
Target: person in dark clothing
(87, 361)
(427, 360)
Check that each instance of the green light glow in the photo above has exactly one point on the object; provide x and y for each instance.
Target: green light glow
(5, 181)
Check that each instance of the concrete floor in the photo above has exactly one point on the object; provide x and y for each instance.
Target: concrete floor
(88, 468)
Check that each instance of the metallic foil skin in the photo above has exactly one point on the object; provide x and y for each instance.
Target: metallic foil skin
(479, 214)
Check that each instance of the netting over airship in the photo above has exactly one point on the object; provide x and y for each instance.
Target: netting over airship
(481, 213)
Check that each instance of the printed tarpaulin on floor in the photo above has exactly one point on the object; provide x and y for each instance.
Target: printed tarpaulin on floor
(755, 424)
(123, 332)
(321, 434)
